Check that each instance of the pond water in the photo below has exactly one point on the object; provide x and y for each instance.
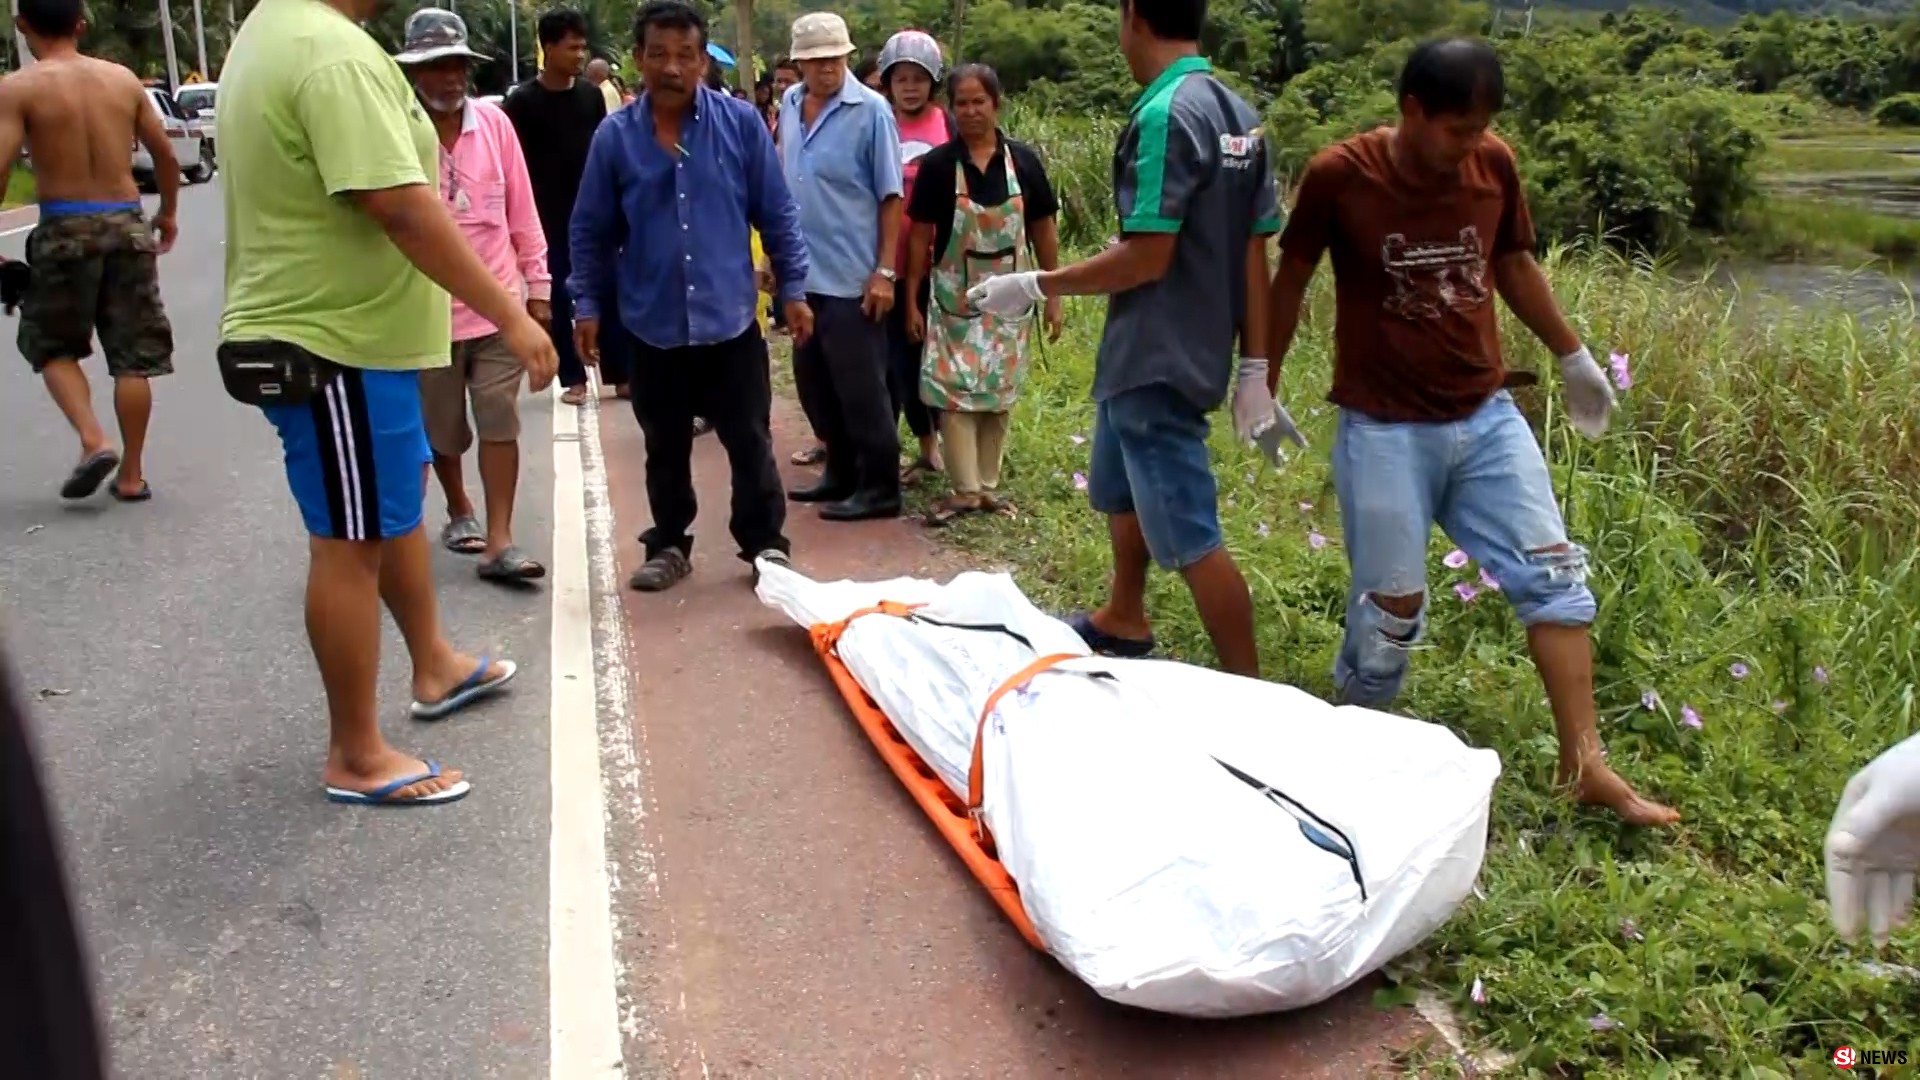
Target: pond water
(1864, 291)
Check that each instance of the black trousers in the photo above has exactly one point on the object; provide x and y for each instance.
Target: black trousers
(903, 370)
(841, 376)
(731, 386)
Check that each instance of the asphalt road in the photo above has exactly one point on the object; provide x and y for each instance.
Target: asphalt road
(243, 926)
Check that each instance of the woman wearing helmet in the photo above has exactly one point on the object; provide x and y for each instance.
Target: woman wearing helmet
(910, 66)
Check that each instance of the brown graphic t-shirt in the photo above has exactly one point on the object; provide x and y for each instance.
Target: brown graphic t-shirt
(1416, 332)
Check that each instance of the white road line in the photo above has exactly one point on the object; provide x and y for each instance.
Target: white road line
(583, 1000)
(18, 230)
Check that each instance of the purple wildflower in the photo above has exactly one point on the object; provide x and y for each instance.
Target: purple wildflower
(1779, 706)
(1820, 675)
(1080, 481)
(1466, 591)
(1455, 559)
(1631, 932)
(1479, 991)
(1622, 374)
(1487, 579)
(1690, 718)
(1315, 540)
(1262, 529)
(1650, 699)
(1738, 670)
(1602, 1022)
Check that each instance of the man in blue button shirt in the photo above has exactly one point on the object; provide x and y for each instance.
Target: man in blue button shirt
(672, 187)
(841, 152)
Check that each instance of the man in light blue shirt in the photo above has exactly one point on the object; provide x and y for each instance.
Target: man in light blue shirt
(840, 151)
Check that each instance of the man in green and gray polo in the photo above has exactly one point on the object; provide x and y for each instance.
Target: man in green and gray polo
(1188, 274)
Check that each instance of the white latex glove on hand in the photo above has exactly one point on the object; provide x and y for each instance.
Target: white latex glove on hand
(1589, 396)
(1007, 294)
(1873, 846)
(1257, 417)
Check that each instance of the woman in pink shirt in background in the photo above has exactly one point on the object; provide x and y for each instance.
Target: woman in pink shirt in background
(484, 183)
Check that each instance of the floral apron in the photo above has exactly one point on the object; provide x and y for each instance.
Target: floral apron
(975, 361)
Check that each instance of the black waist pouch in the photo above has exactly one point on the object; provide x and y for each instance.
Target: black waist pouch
(272, 372)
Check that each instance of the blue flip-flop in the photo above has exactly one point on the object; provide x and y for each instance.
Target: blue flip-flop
(1106, 644)
(384, 794)
(472, 689)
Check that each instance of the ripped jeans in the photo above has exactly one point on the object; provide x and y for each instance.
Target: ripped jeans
(1485, 482)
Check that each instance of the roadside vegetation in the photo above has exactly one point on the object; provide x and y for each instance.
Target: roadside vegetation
(1752, 518)
(20, 190)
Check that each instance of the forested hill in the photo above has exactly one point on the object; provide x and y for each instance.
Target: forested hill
(1715, 12)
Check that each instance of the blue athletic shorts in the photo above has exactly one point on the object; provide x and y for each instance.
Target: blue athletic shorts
(356, 455)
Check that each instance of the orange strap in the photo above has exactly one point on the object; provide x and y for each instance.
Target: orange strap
(830, 632)
(976, 778)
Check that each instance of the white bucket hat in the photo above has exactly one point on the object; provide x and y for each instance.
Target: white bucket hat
(820, 35)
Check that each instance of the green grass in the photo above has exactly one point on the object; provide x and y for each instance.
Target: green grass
(1784, 158)
(1758, 502)
(1805, 229)
(20, 190)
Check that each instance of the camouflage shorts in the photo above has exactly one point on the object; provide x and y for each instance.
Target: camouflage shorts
(96, 272)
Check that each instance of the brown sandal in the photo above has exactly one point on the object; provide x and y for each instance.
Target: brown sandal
(918, 470)
(947, 511)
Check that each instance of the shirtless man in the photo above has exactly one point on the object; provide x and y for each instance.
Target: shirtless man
(93, 253)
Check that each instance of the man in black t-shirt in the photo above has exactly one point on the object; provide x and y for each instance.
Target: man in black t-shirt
(555, 114)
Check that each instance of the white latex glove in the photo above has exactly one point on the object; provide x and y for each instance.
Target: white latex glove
(1257, 417)
(1873, 845)
(1007, 294)
(1589, 395)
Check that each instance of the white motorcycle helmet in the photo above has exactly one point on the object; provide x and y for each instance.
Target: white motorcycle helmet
(912, 47)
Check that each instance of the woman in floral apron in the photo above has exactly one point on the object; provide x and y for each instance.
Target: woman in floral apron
(982, 205)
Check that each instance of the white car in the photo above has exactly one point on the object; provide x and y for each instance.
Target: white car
(196, 101)
(195, 152)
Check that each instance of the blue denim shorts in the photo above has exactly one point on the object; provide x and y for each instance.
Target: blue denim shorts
(1150, 459)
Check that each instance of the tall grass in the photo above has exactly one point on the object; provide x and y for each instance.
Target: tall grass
(1753, 521)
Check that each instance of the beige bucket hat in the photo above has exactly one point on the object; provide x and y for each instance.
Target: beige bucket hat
(820, 35)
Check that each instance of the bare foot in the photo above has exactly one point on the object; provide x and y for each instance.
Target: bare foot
(384, 768)
(1598, 785)
(450, 670)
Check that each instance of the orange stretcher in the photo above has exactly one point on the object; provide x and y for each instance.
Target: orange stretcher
(960, 823)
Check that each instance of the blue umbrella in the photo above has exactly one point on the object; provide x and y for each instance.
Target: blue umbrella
(720, 53)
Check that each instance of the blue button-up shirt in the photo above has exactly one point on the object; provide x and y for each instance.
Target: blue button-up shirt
(840, 170)
(671, 227)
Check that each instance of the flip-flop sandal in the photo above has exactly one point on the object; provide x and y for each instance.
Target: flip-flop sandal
(86, 477)
(384, 794)
(575, 396)
(145, 493)
(946, 513)
(1108, 644)
(919, 469)
(464, 536)
(812, 455)
(475, 687)
(1003, 507)
(511, 564)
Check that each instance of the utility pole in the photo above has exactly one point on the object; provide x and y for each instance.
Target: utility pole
(513, 39)
(743, 54)
(22, 55)
(173, 61)
(200, 37)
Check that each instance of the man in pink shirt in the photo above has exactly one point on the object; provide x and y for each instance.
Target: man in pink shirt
(483, 181)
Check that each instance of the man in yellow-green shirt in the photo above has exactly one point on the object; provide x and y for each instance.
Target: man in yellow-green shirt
(340, 256)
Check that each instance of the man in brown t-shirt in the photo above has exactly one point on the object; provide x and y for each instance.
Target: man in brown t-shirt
(1425, 223)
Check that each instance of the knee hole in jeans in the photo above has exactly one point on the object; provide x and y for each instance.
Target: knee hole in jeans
(1405, 608)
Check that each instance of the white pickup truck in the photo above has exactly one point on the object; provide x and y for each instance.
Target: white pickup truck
(194, 151)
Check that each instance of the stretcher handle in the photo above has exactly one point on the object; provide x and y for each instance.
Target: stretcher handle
(976, 779)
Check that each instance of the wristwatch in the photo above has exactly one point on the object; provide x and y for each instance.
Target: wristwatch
(887, 272)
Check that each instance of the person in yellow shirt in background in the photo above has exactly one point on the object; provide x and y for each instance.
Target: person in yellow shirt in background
(600, 74)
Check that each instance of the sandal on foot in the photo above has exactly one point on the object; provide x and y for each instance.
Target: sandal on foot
(917, 470)
(141, 495)
(464, 536)
(384, 794)
(662, 572)
(812, 455)
(1004, 507)
(511, 564)
(947, 511)
(575, 395)
(471, 689)
(86, 477)
(1106, 644)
